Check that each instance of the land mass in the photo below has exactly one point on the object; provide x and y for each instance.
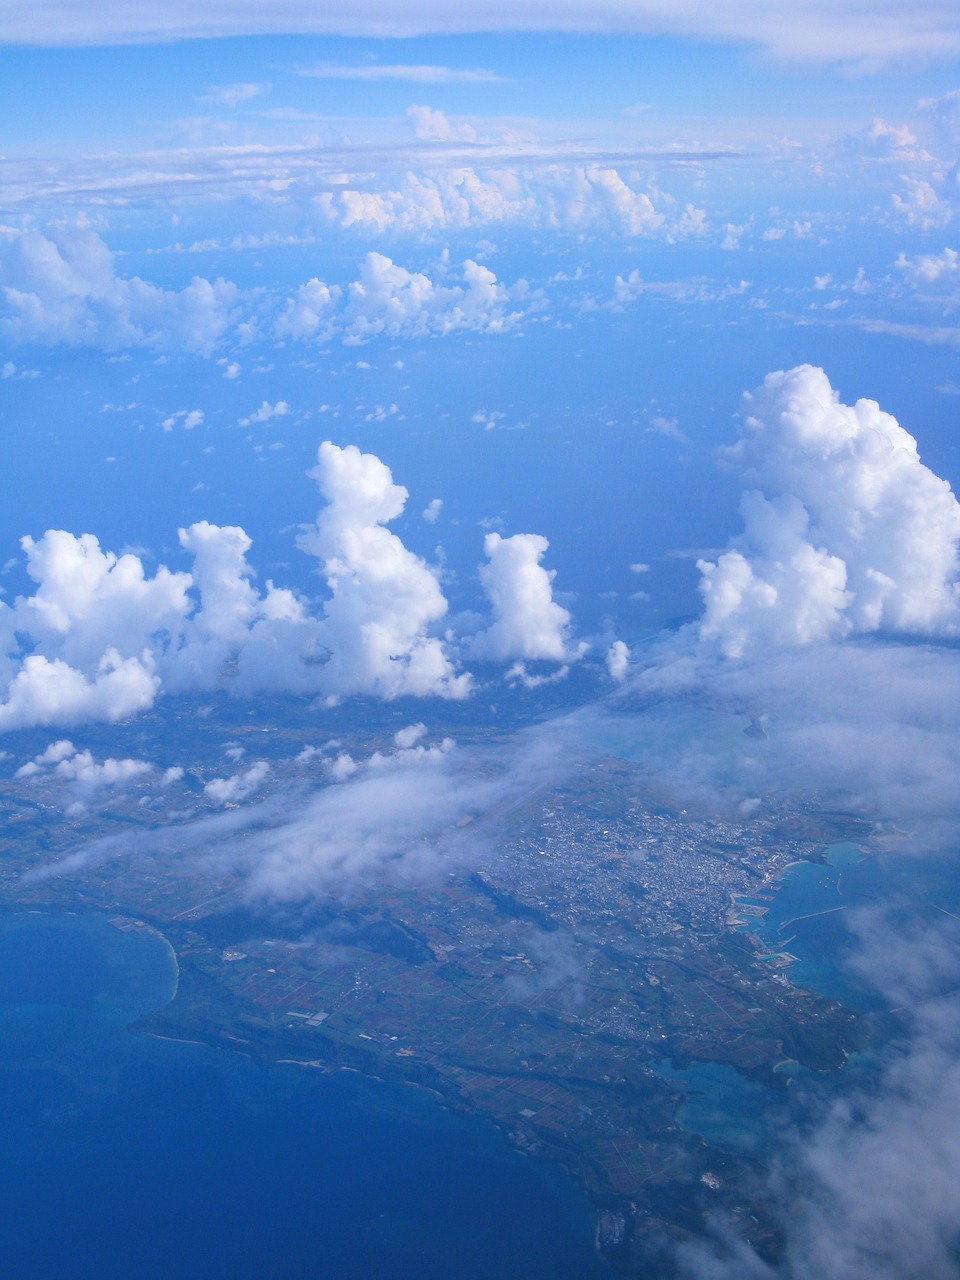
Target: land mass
(600, 934)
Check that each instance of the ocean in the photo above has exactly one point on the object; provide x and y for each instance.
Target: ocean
(127, 1156)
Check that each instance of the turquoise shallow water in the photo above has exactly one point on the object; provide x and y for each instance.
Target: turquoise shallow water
(722, 1105)
(129, 1156)
(809, 918)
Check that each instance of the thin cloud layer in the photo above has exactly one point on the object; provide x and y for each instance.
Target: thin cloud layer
(861, 725)
(869, 1191)
(871, 34)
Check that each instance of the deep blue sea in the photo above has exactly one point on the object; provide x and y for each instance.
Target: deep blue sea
(127, 1156)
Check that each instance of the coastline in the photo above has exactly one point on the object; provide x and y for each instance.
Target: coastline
(132, 924)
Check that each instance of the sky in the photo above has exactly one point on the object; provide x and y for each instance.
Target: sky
(532, 355)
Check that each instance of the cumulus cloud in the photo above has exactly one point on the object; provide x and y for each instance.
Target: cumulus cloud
(238, 786)
(420, 202)
(83, 774)
(883, 141)
(618, 660)
(845, 530)
(263, 640)
(920, 207)
(63, 288)
(436, 126)
(309, 312)
(89, 602)
(384, 599)
(388, 299)
(45, 692)
(927, 268)
(189, 417)
(527, 622)
(590, 197)
(100, 638)
(266, 413)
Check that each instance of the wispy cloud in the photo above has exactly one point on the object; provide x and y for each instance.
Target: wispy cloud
(866, 36)
(419, 73)
(232, 95)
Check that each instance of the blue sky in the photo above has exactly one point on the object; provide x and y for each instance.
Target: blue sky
(529, 259)
(371, 352)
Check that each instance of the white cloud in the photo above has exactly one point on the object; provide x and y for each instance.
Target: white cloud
(189, 417)
(845, 532)
(10, 370)
(867, 36)
(262, 640)
(45, 692)
(383, 598)
(99, 639)
(927, 268)
(388, 299)
(399, 820)
(238, 786)
(883, 141)
(399, 815)
(432, 510)
(418, 73)
(410, 736)
(527, 622)
(436, 126)
(600, 194)
(553, 196)
(62, 761)
(63, 288)
(232, 95)
(669, 427)
(309, 313)
(865, 724)
(266, 413)
(89, 601)
(868, 1190)
(920, 207)
(618, 660)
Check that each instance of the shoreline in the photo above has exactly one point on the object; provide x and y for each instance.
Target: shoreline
(133, 924)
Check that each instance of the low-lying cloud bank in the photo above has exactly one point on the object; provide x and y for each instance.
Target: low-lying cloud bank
(64, 288)
(868, 1192)
(99, 639)
(408, 812)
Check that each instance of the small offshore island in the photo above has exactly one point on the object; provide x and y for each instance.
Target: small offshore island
(604, 937)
